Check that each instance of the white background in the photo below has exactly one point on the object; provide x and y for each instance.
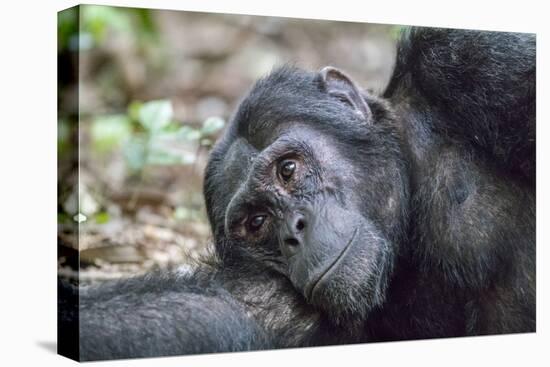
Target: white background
(28, 182)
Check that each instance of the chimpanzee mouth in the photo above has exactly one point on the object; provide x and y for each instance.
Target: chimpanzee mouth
(315, 284)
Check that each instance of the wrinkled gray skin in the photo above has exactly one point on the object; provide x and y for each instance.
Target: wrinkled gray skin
(316, 223)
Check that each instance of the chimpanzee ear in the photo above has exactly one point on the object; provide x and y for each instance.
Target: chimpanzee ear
(339, 85)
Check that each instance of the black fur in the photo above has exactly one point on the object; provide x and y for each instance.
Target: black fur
(207, 310)
(482, 86)
(159, 314)
(424, 201)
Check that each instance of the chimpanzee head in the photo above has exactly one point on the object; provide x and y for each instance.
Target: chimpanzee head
(309, 180)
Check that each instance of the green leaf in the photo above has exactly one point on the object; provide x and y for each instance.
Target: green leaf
(173, 127)
(108, 132)
(188, 133)
(212, 125)
(161, 157)
(155, 115)
(133, 110)
(99, 19)
(135, 153)
(182, 213)
(102, 217)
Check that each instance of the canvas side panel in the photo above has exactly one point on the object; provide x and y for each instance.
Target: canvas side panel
(68, 25)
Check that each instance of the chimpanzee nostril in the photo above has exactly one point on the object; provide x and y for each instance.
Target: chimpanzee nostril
(293, 232)
(292, 242)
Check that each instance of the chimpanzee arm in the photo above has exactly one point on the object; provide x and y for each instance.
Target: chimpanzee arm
(209, 310)
(163, 314)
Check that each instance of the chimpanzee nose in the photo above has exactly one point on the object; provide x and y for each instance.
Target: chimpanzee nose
(292, 232)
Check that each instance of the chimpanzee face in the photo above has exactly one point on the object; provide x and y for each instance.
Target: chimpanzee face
(308, 180)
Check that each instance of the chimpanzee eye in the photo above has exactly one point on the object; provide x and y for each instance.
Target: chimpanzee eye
(256, 222)
(286, 169)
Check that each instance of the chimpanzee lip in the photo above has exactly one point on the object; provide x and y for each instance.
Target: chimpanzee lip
(314, 285)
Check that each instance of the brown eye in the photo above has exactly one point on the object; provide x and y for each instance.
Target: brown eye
(286, 169)
(256, 222)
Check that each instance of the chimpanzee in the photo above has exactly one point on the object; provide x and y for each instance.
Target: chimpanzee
(342, 217)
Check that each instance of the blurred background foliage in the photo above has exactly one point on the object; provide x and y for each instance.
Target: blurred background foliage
(155, 89)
